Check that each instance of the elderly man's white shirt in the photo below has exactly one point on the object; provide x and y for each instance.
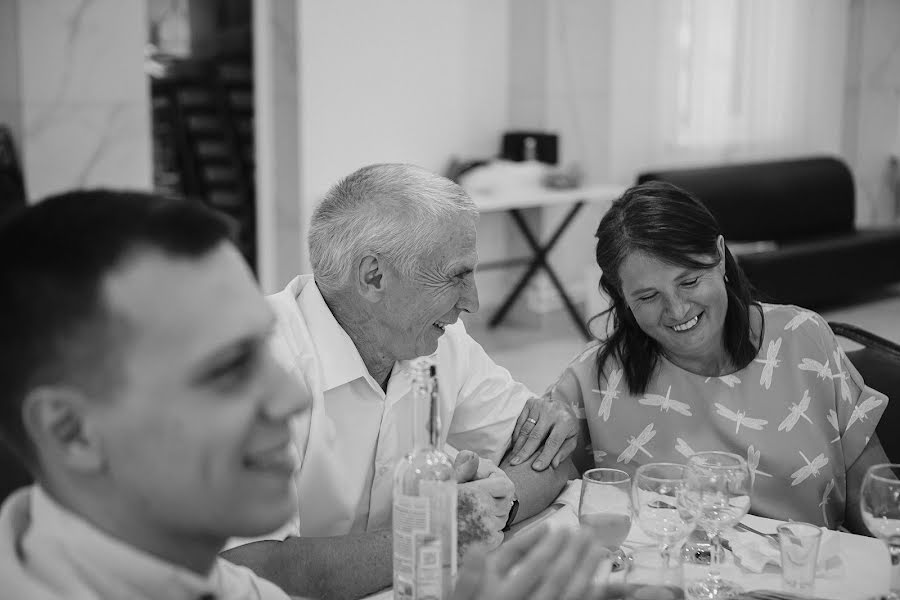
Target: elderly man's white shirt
(354, 434)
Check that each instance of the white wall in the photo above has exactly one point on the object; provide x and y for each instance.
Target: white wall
(398, 81)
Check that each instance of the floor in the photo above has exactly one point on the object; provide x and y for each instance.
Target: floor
(536, 354)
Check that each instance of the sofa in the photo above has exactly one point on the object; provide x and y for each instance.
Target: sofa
(790, 224)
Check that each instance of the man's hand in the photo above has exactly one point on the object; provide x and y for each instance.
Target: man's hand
(485, 496)
(544, 419)
(536, 565)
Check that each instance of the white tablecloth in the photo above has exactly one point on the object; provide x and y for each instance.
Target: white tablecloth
(865, 573)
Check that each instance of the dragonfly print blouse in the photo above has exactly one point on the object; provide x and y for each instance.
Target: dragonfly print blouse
(799, 413)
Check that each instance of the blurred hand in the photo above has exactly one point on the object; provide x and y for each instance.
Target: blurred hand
(485, 496)
(549, 422)
(540, 564)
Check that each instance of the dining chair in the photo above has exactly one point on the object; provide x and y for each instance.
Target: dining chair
(878, 361)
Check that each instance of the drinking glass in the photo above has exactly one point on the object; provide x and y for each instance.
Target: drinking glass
(717, 492)
(880, 506)
(657, 497)
(605, 508)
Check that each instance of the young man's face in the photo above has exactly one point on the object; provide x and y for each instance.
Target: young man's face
(197, 439)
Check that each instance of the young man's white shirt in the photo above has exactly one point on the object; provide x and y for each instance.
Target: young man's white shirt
(354, 434)
(47, 552)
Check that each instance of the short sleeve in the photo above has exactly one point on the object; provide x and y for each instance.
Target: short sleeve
(567, 389)
(858, 407)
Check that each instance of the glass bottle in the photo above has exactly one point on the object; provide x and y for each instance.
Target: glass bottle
(424, 509)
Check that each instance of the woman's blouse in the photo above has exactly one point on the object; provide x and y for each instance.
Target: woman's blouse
(799, 413)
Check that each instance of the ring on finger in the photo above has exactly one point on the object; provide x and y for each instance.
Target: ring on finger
(531, 420)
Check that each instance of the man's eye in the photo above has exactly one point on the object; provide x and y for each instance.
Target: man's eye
(234, 372)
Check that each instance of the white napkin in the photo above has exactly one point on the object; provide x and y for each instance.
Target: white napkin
(753, 552)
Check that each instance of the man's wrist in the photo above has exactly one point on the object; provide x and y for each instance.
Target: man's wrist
(513, 510)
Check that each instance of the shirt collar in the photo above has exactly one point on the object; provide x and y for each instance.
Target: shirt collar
(340, 360)
(112, 563)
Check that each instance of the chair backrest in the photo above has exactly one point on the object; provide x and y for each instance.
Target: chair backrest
(878, 361)
(777, 200)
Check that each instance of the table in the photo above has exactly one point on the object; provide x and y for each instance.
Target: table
(865, 573)
(514, 201)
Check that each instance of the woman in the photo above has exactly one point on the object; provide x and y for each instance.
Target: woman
(692, 362)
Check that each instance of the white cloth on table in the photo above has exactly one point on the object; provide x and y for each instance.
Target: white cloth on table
(47, 552)
(355, 433)
(755, 552)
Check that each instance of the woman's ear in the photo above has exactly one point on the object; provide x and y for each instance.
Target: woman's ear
(720, 246)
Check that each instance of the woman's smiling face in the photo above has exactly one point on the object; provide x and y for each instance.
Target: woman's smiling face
(682, 308)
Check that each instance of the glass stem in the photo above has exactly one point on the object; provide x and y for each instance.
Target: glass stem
(715, 556)
(895, 567)
(666, 555)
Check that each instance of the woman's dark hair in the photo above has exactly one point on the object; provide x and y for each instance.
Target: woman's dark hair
(669, 224)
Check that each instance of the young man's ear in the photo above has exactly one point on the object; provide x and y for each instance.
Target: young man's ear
(55, 418)
(370, 277)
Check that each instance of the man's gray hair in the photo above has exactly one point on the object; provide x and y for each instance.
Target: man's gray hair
(395, 210)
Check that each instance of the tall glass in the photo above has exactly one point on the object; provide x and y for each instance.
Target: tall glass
(605, 508)
(658, 499)
(880, 505)
(717, 492)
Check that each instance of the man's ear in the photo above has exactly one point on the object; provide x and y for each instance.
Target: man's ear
(56, 419)
(370, 277)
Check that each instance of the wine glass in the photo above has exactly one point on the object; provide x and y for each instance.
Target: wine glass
(717, 492)
(605, 508)
(880, 505)
(658, 500)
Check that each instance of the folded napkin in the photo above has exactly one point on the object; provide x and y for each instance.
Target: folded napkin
(754, 552)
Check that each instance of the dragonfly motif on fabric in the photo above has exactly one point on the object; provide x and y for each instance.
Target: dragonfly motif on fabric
(822, 371)
(740, 418)
(833, 419)
(770, 362)
(861, 411)
(637, 443)
(683, 449)
(753, 464)
(841, 374)
(729, 380)
(802, 317)
(797, 411)
(811, 469)
(609, 394)
(666, 402)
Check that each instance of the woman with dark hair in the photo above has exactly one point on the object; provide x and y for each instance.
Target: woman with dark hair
(692, 362)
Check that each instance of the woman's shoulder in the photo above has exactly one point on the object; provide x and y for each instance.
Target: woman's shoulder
(781, 318)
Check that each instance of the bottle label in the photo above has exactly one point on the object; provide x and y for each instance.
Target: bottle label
(424, 561)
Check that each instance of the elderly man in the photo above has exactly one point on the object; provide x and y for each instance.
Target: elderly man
(393, 254)
(156, 430)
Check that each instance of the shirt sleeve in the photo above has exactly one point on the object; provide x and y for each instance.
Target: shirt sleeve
(489, 402)
(858, 407)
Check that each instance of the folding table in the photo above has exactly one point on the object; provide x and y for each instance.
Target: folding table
(514, 201)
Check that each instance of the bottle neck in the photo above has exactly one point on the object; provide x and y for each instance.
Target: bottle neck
(426, 416)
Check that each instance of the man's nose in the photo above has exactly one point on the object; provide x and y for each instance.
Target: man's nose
(468, 299)
(286, 397)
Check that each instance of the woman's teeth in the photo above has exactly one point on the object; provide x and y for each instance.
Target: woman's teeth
(687, 324)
